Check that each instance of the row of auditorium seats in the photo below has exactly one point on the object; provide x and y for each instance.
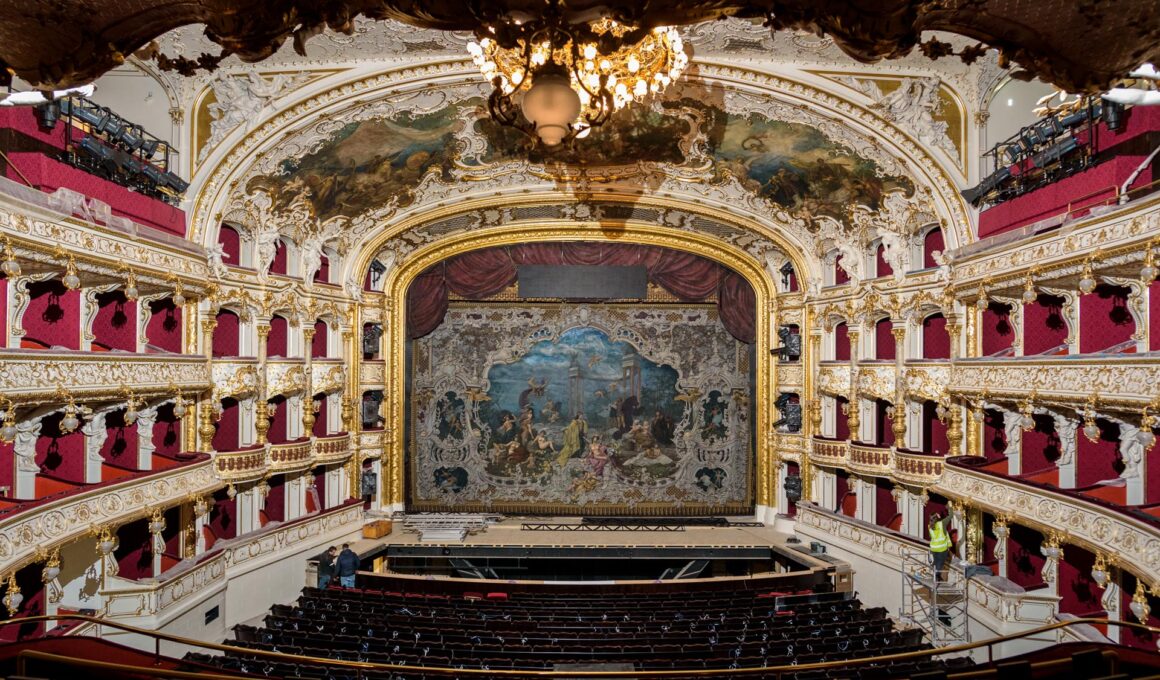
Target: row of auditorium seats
(527, 631)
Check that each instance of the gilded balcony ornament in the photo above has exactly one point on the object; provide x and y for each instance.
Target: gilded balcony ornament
(1139, 606)
(1001, 531)
(1052, 549)
(50, 574)
(206, 426)
(13, 598)
(261, 419)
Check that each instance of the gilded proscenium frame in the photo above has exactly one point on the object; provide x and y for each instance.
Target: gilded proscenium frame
(394, 487)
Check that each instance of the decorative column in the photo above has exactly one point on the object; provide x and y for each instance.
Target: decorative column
(261, 407)
(107, 542)
(955, 430)
(1067, 430)
(1013, 429)
(1052, 549)
(95, 435)
(308, 388)
(853, 417)
(207, 411)
(207, 415)
(953, 333)
(157, 540)
(50, 577)
(354, 464)
(1132, 453)
(1002, 531)
(975, 429)
(146, 419)
(201, 508)
(1105, 575)
(898, 419)
(24, 448)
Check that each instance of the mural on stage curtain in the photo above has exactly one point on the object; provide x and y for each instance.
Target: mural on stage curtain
(570, 410)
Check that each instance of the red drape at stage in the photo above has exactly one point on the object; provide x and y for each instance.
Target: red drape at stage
(482, 273)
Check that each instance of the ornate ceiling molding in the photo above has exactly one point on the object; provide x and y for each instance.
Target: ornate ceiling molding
(1082, 47)
(306, 123)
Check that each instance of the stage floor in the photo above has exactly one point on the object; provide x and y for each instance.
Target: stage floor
(510, 533)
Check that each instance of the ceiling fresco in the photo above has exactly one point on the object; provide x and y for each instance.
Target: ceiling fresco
(790, 165)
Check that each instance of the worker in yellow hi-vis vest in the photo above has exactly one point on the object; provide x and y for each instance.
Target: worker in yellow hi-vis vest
(940, 543)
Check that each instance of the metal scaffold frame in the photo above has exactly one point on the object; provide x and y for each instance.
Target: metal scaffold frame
(939, 608)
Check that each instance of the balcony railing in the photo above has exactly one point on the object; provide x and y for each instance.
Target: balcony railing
(332, 449)
(871, 461)
(33, 376)
(916, 468)
(245, 465)
(1124, 378)
(291, 456)
(1096, 525)
(46, 524)
(829, 452)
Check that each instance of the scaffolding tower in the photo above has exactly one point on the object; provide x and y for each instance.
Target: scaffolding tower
(939, 608)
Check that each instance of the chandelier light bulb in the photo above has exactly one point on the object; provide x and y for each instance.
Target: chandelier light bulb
(131, 292)
(1091, 431)
(1029, 294)
(10, 266)
(1146, 438)
(551, 106)
(70, 279)
(1027, 422)
(1148, 273)
(982, 303)
(1087, 282)
(69, 423)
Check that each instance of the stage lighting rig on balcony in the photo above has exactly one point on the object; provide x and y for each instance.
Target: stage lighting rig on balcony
(570, 77)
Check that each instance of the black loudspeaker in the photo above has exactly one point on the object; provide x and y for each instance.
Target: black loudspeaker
(793, 489)
(1113, 115)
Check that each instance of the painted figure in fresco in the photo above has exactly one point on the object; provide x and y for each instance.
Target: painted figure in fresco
(626, 415)
(615, 417)
(650, 456)
(551, 412)
(452, 480)
(597, 456)
(535, 389)
(542, 448)
(507, 430)
(574, 439)
(710, 478)
(662, 429)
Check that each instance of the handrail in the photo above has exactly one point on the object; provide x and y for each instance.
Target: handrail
(435, 670)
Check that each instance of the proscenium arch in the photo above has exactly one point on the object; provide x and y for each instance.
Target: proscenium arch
(219, 177)
(401, 277)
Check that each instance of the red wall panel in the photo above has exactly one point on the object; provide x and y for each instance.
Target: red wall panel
(936, 344)
(1104, 319)
(164, 327)
(1154, 316)
(1141, 639)
(277, 433)
(843, 426)
(58, 454)
(167, 431)
(53, 316)
(998, 334)
(320, 416)
(881, 266)
(1097, 461)
(1024, 561)
(884, 423)
(840, 275)
(1040, 445)
(323, 273)
(276, 341)
(320, 344)
(226, 334)
(231, 242)
(223, 521)
(883, 340)
(841, 342)
(885, 508)
(934, 432)
(115, 325)
(135, 553)
(275, 508)
(279, 266)
(994, 435)
(934, 241)
(1043, 325)
(120, 446)
(226, 437)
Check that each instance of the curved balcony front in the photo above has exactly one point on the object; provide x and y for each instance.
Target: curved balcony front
(332, 449)
(244, 465)
(294, 456)
(830, 452)
(871, 461)
(915, 468)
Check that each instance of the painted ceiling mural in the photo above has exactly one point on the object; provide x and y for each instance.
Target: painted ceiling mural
(580, 409)
(790, 164)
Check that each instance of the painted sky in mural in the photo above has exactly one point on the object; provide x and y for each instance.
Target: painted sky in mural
(580, 421)
(365, 164)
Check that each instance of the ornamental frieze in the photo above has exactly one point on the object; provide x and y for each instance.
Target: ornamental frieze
(876, 381)
(34, 238)
(1127, 379)
(1095, 528)
(59, 521)
(33, 376)
(834, 379)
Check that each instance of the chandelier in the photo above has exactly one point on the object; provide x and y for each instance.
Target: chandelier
(555, 81)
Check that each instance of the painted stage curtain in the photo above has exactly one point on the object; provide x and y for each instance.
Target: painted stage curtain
(482, 273)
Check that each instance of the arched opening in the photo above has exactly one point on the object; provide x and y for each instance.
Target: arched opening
(936, 344)
(277, 342)
(884, 349)
(227, 334)
(231, 244)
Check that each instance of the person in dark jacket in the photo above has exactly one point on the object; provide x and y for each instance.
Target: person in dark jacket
(347, 565)
(326, 566)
